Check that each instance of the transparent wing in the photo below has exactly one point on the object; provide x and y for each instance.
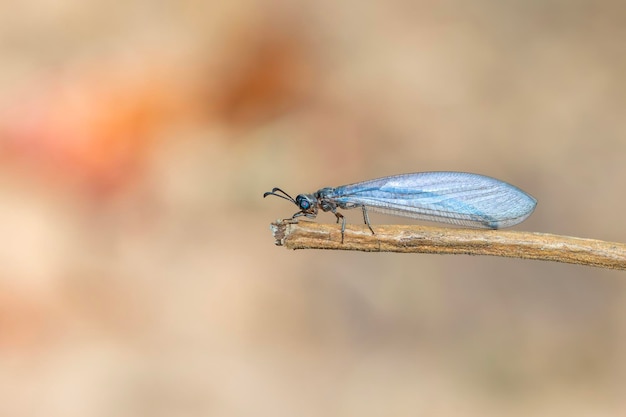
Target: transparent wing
(450, 197)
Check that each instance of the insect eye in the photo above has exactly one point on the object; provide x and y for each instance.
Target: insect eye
(303, 202)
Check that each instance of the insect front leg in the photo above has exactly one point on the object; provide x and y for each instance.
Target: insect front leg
(343, 222)
(300, 214)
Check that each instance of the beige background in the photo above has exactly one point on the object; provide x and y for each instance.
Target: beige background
(137, 272)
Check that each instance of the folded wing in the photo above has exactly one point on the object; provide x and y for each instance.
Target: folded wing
(450, 197)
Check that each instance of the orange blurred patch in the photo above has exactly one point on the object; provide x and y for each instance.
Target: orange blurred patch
(96, 126)
(268, 73)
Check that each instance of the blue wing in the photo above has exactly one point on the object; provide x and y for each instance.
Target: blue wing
(450, 197)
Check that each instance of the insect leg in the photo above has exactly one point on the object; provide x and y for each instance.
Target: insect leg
(293, 220)
(343, 223)
(366, 218)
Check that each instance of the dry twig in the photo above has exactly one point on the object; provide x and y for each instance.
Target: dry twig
(422, 239)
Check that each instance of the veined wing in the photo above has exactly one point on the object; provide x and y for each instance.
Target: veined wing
(450, 197)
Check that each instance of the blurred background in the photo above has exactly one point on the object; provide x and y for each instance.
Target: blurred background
(138, 275)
